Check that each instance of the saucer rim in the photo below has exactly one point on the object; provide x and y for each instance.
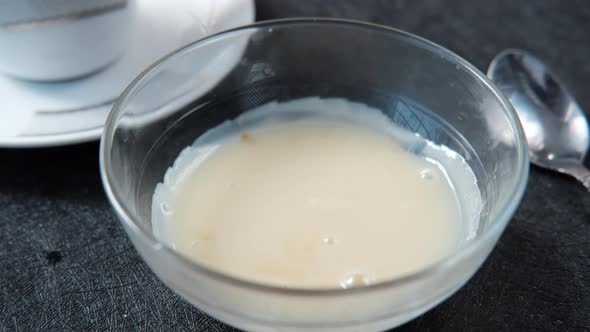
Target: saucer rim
(83, 135)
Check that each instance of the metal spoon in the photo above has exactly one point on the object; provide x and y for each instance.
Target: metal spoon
(555, 127)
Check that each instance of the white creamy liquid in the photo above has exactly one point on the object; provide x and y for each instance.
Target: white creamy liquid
(315, 193)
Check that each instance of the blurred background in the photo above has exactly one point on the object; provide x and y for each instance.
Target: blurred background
(66, 264)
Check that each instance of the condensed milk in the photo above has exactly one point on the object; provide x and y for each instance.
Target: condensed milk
(315, 193)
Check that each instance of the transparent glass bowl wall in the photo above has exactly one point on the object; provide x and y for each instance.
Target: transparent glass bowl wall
(419, 85)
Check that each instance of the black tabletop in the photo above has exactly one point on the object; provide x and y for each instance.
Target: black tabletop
(67, 265)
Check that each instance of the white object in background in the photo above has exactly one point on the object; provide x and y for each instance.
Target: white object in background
(50, 114)
(49, 40)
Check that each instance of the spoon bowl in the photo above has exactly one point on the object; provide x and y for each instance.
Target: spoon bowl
(555, 126)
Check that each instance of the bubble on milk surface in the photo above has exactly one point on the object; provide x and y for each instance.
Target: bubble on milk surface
(356, 279)
(166, 208)
(329, 240)
(427, 174)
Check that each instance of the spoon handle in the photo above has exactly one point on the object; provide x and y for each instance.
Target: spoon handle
(581, 173)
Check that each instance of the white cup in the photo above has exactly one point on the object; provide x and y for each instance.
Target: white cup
(47, 40)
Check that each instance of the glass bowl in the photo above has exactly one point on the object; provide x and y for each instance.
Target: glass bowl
(417, 84)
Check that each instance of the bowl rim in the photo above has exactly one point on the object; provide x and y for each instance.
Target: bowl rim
(465, 250)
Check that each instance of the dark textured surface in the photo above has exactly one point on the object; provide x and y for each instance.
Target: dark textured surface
(66, 264)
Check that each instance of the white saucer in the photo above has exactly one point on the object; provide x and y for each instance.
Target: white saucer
(50, 114)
